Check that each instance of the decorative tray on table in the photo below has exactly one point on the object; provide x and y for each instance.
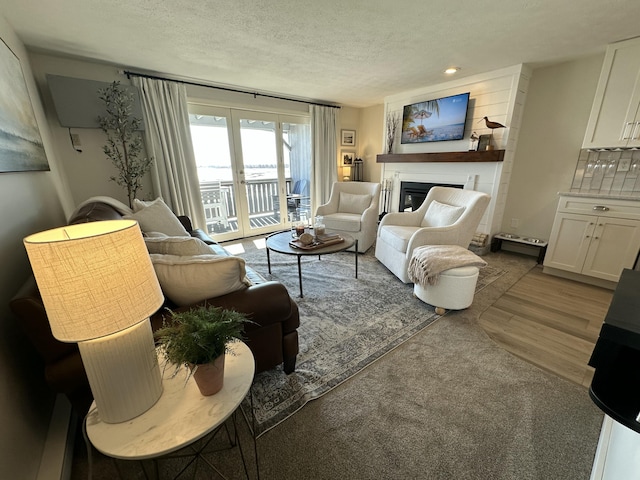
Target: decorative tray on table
(318, 242)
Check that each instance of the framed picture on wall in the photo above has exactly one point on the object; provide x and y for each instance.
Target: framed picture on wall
(348, 138)
(347, 157)
(21, 147)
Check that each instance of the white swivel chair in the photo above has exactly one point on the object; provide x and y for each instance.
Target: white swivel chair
(353, 209)
(448, 216)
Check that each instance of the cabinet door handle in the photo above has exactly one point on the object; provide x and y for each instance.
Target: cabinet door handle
(601, 208)
(626, 130)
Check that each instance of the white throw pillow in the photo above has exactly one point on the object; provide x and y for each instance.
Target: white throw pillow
(182, 246)
(140, 204)
(441, 215)
(158, 217)
(188, 280)
(353, 203)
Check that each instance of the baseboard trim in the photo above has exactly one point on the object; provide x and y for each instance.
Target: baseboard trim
(598, 282)
(57, 457)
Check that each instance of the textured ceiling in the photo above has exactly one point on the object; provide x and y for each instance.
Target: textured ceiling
(349, 52)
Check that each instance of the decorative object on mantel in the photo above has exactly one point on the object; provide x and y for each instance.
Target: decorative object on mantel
(472, 142)
(484, 143)
(491, 125)
(197, 338)
(124, 143)
(393, 120)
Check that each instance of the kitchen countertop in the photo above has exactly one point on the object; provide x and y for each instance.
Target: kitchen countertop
(612, 196)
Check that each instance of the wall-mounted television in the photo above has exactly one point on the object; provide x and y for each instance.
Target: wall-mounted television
(435, 120)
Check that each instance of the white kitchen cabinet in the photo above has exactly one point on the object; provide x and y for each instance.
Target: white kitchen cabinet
(594, 237)
(615, 114)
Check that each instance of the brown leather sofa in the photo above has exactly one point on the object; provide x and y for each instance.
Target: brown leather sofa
(272, 336)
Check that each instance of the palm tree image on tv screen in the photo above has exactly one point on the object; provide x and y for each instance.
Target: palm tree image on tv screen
(435, 120)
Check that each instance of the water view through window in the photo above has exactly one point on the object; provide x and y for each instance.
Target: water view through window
(250, 156)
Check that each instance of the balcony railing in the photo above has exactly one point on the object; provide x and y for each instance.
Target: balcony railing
(221, 210)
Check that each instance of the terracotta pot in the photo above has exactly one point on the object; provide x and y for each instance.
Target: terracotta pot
(210, 376)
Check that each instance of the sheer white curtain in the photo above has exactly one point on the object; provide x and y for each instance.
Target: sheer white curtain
(168, 140)
(324, 124)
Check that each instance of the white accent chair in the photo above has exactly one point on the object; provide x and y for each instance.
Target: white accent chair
(353, 209)
(448, 216)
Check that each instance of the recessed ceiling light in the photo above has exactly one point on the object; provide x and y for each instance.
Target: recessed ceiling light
(451, 70)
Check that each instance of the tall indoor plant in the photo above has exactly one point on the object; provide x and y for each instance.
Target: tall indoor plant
(198, 338)
(124, 141)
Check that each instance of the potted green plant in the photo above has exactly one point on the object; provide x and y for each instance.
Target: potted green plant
(198, 338)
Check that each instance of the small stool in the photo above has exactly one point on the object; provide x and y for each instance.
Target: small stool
(454, 291)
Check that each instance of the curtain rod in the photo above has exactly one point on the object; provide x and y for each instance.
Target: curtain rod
(130, 74)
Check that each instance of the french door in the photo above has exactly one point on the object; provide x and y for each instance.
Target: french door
(254, 169)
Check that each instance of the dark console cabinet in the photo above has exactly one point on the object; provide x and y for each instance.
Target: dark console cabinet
(615, 387)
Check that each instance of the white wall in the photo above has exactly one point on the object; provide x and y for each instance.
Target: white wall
(553, 125)
(348, 119)
(31, 202)
(370, 128)
(87, 172)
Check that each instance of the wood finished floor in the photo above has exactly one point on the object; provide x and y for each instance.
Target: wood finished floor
(550, 322)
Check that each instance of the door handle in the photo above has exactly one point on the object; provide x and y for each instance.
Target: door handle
(601, 208)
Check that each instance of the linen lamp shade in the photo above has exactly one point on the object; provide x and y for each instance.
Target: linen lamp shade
(95, 278)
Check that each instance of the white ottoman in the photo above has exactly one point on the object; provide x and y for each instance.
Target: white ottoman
(454, 290)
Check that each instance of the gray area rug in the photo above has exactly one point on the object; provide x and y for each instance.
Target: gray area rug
(345, 324)
(447, 403)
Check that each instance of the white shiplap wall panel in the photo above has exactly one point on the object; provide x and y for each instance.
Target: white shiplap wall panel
(499, 95)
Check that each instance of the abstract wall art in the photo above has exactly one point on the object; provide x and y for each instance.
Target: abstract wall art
(21, 147)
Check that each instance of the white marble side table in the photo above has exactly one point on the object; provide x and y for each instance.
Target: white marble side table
(180, 417)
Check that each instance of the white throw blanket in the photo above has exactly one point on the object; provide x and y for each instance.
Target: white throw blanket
(429, 261)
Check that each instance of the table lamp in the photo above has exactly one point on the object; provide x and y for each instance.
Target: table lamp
(346, 173)
(99, 288)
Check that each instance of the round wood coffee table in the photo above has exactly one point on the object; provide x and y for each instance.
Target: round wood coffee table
(279, 242)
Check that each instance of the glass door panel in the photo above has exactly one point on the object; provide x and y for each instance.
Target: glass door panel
(296, 141)
(262, 172)
(254, 169)
(216, 171)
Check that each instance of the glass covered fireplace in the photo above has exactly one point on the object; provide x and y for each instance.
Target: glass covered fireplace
(412, 194)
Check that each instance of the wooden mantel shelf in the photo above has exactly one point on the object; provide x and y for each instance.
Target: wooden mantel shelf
(486, 156)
